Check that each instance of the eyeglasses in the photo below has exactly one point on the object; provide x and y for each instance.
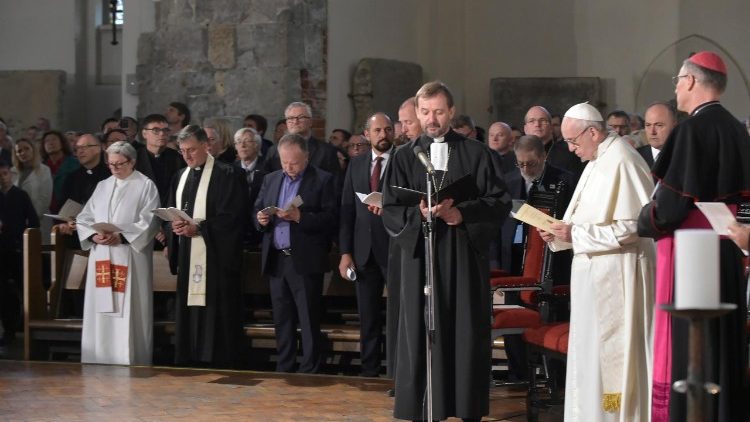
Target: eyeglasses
(542, 121)
(522, 164)
(245, 142)
(86, 146)
(118, 165)
(187, 151)
(156, 130)
(676, 79)
(573, 141)
(358, 145)
(299, 118)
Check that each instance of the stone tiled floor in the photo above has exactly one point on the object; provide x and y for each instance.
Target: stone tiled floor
(42, 391)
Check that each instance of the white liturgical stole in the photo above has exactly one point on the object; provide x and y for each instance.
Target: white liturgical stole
(197, 277)
(439, 154)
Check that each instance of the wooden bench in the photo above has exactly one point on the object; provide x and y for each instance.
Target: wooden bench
(50, 331)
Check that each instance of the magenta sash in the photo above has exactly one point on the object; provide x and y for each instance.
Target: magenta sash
(663, 321)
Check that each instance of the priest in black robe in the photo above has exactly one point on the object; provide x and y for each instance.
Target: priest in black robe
(461, 355)
(209, 334)
(705, 158)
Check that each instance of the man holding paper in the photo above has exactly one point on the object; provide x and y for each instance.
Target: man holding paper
(611, 275)
(297, 237)
(363, 241)
(462, 233)
(206, 255)
(704, 159)
(117, 311)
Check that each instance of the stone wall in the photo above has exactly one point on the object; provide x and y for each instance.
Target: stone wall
(235, 57)
(30, 94)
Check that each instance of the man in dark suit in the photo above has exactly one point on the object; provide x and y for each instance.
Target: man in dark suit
(538, 122)
(260, 124)
(248, 143)
(299, 121)
(363, 241)
(296, 241)
(500, 141)
(532, 174)
(156, 161)
(660, 118)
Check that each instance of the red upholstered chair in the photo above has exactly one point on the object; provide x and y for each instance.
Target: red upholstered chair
(515, 319)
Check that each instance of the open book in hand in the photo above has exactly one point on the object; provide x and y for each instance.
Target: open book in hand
(295, 202)
(68, 212)
(460, 190)
(374, 198)
(103, 228)
(173, 214)
(534, 217)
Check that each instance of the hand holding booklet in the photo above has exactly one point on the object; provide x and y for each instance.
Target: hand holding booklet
(718, 215)
(103, 228)
(68, 212)
(460, 190)
(173, 214)
(375, 199)
(534, 217)
(295, 202)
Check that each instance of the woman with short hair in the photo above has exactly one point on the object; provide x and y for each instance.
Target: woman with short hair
(118, 311)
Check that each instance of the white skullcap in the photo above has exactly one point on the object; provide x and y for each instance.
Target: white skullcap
(584, 111)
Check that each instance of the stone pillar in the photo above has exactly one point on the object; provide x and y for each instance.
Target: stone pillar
(382, 85)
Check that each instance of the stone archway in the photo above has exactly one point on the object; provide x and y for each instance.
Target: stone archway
(655, 84)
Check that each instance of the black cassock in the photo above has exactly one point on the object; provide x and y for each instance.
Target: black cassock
(213, 333)
(706, 158)
(461, 352)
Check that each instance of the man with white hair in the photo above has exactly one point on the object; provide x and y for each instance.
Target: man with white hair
(611, 275)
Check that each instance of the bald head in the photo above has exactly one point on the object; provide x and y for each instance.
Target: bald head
(500, 137)
(407, 115)
(660, 120)
(537, 122)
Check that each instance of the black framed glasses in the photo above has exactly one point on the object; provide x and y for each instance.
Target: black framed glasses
(157, 130)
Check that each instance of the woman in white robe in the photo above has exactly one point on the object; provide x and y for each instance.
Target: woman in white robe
(118, 313)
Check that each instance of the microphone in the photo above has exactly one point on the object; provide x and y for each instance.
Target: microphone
(423, 158)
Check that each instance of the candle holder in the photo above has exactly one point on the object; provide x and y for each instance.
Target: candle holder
(696, 385)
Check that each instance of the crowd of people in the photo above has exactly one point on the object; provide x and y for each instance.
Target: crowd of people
(627, 180)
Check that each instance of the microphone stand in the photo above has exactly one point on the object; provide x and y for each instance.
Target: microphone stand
(429, 294)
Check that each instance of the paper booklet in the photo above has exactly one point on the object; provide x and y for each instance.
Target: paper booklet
(534, 217)
(718, 215)
(375, 199)
(295, 202)
(462, 189)
(103, 227)
(68, 212)
(174, 214)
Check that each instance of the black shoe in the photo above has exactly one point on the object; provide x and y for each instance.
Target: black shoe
(391, 392)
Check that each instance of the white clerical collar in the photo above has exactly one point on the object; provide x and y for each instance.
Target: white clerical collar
(440, 139)
(439, 154)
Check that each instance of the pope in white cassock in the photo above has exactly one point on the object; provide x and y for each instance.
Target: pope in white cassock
(612, 290)
(118, 312)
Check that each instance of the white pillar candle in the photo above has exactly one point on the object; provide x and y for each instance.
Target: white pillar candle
(696, 269)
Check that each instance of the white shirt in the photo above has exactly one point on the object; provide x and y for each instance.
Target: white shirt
(386, 156)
